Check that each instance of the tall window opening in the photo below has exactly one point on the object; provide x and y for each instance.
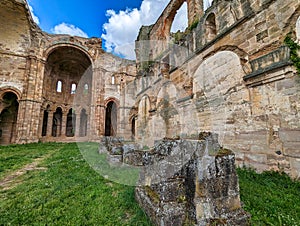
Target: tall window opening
(73, 88)
(59, 86)
(113, 80)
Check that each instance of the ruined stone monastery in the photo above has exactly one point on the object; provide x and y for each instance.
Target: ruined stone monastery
(229, 73)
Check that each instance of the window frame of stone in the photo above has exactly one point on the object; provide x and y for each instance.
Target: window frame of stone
(113, 81)
(85, 88)
(59, 85)
(73, 91)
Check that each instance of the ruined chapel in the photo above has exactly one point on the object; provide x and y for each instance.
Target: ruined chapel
(233, 71)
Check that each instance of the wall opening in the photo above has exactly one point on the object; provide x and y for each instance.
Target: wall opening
(133, 127)
(113, 80)
(8, 118)
(111, 119)
(210, 27)
(73, 88)
(71, 122)
(59, 86)
(67, 82)
(45, 121)
(57, 123)
(83, 123)
(180, 22)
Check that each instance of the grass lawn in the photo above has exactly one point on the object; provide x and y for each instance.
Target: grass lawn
(69, 192)
(62, 189)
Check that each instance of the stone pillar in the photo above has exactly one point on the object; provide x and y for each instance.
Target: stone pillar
(30, 104)
(41, 123)
(195, 10)
(101, 120)
(49, 124)
(63, 125)
(77, 126)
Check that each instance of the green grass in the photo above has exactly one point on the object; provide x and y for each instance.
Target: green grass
(71, 192)
(271, 198)
(14, 157)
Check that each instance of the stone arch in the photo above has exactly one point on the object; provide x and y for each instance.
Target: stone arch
(216, 83)
(52, 48)
(70, 64)
(243, 56)
(11, 89)
(168, 19)
(8, 116)
(142, 119)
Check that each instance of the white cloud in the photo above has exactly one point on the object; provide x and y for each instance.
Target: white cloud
(69, 29)
(122, 27)
(34, 17)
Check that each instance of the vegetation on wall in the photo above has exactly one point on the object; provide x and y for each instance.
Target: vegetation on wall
(295, 48)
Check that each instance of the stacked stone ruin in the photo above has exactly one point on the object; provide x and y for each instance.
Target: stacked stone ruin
(183, 181)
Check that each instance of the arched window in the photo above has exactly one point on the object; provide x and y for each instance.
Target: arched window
(73, 88)
(113, 80)
(59, 86)
(210, 27)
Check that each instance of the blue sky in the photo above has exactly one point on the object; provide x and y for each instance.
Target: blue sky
(88, 15)
(117, 22)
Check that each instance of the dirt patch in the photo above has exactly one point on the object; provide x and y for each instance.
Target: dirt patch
(13, 178)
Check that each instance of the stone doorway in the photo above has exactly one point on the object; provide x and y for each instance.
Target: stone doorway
(9, 106)
(111, 119)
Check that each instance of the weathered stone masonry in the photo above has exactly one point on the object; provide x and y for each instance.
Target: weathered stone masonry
(229, 73)
(183, 182)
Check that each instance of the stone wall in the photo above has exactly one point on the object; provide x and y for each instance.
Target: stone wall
(231, 75)
(33, 62)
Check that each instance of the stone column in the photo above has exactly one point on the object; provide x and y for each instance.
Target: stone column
(195, 10)
(77, 126)
(49, 124)
(64, 125)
